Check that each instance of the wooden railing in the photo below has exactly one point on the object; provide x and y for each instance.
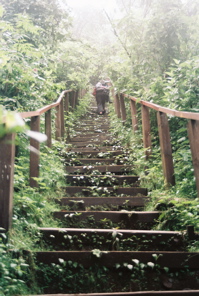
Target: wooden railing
(164, 132)
(67, 99)
(70, 98)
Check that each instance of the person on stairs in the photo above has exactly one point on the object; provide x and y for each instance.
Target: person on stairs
(101, 93)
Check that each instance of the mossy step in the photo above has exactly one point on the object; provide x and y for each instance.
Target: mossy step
(98, 150)
(91, 143)
(94, 138)
(102, 153)
(107, 219)
(103, 180)
(95, 161)
(92, 127)
(111, 239)
(164, 259)
(97, 119)
(143, 293)
(90, 135)
(119, 202)
(93, 124)
(105, 191)
(99, 168)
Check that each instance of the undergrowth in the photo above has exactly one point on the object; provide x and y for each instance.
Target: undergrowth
(179, 203)
(33, 208)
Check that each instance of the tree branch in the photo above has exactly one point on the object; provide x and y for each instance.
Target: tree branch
(117, 35)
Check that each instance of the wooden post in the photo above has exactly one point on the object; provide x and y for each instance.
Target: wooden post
(146, 131)
(134, 116)
(48, 128)
(122, 108)
(7, 154)
(58, 123)
(66, 109)
(73, 99)
(166, 150)
(117, 106)
(193, 133)
(62, 118)
(66, 103)
(34, 155)
(76, 98)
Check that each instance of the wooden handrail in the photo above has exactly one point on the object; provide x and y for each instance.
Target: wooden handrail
(164, 133)
(7, 150)
(181, 114)
(44, 109)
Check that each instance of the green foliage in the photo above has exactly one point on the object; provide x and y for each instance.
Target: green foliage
(178, 214)
(26, 76)
(50, 16)
(10, 122)
(14, 271)
(181, 86)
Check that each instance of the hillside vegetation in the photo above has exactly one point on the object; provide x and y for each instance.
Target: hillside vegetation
(152, 54)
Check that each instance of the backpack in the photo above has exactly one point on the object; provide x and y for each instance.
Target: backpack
(94, 92)
(102, 90)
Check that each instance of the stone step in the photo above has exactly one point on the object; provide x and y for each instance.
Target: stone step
(105, 191)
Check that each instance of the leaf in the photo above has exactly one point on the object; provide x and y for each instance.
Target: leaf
(97, 253)
(181, 139)
(130, 266)
(151, 264)
(37, 136)
(61, 260)
(13, 120)
(136, 261)
(177, 62)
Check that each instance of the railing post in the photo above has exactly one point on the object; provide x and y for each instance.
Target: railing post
(117, 105)
(76, 98)
(62, 118)
(134, 116)
(193, 133)
(66, 103)
(48, 128)
(7, 154)
(34, 155)
(73, 99)
(166, 150)
(146, 131)
(57, 123)
(122, 108)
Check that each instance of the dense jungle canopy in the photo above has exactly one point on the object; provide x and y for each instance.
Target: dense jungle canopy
(147, 47)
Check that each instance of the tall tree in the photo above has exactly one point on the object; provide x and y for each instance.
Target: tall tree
(47, 14)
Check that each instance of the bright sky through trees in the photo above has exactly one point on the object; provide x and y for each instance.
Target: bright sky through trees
(99, 4)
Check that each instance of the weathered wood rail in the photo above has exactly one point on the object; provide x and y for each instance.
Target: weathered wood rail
(68, 99)
(164, 132)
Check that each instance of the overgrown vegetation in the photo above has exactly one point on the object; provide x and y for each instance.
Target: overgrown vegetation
(154, 57)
